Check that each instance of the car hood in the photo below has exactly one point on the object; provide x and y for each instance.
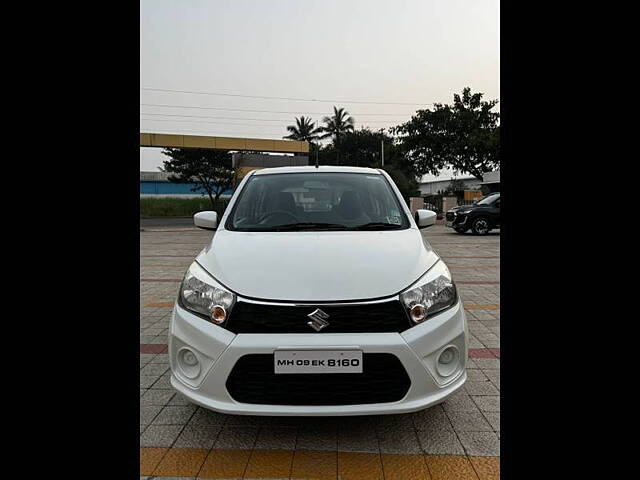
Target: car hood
(317, 266)
(463, 208)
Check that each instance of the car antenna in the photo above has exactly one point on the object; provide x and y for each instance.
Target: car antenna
(317, 148)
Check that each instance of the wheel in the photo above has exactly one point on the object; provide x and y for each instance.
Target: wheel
(460, 230)
(480, 226)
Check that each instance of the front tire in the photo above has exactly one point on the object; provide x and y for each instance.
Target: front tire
(480, 226)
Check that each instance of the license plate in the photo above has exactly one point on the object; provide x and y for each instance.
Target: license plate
(317, 361)
(449, 224)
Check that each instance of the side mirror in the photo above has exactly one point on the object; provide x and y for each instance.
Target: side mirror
(207, 220)
(425, 218)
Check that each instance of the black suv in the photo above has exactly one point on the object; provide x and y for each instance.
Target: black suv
(480, 217)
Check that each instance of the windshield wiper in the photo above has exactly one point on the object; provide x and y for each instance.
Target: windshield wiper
(377, 226)
(310, 226)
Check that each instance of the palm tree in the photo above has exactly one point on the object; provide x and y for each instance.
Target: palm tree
(304, 130)
(340, 123)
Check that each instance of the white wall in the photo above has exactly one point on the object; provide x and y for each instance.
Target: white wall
(431, 188)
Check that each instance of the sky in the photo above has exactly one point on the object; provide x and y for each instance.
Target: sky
(402, 54)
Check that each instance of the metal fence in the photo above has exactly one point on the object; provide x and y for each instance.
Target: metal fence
(433, 202)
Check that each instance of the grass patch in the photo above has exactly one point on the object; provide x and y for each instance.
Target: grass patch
(178, 207)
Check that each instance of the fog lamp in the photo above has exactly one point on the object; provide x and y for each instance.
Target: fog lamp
(447, 356)
(189, 363)
(189, 358)
(448, 361)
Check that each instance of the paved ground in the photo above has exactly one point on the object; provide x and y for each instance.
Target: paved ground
(457, 439)
(166, 222)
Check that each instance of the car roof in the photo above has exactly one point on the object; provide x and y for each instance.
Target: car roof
(320, 169)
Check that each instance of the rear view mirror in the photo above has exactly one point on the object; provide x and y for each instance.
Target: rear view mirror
(207, 220)
(425, 218)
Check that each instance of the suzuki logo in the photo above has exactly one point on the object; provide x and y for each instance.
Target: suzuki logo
(318, 319)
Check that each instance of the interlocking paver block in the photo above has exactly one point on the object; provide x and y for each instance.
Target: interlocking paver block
(160, 435)
(156, 397)
(487, 363)
(247, 421)
(283, 438)
(227, 464)
(269, 464)
(494, 419)
(449, 467)
(480, 443)
(476, 375)
(481, 388)
(155, 369)
(146, 381)
(398, 441)
(494, 377)
(318, 437)
(181, 462)
(314, 465)
(179, 399)
(440, 442)
(395, 421)
(460, 402)
(198, 436)
(359, 466)
(490, 403)
(236, 438)
(469, 422)
(487, 468)
(202, 416)
(404, 467)
(357, 439)
(148, 413)
(149, 459)
(171, 415)
(164, 382)
(433, 418)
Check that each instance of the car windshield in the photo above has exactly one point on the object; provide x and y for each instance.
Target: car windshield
(488, 200)
(317, 201)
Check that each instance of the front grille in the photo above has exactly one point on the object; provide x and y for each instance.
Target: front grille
(357, 318)
(383, 379)
(451, 216)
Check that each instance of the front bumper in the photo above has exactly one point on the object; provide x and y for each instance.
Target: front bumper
(218, 350)
(456, 220)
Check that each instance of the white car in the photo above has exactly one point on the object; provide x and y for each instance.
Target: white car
(338, 307)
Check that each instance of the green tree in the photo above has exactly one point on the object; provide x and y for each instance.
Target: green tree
(304, 130)
(406, 183)
(362, 148)
(464, 136)
(336, 126)
(210, 170)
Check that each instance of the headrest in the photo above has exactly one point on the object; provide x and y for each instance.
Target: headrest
(350, 206)
(285, 201)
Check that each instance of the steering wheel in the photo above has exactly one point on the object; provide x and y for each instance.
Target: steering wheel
(277, 212)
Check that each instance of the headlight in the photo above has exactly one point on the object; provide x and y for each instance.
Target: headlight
(433, 293)
(201, 294)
